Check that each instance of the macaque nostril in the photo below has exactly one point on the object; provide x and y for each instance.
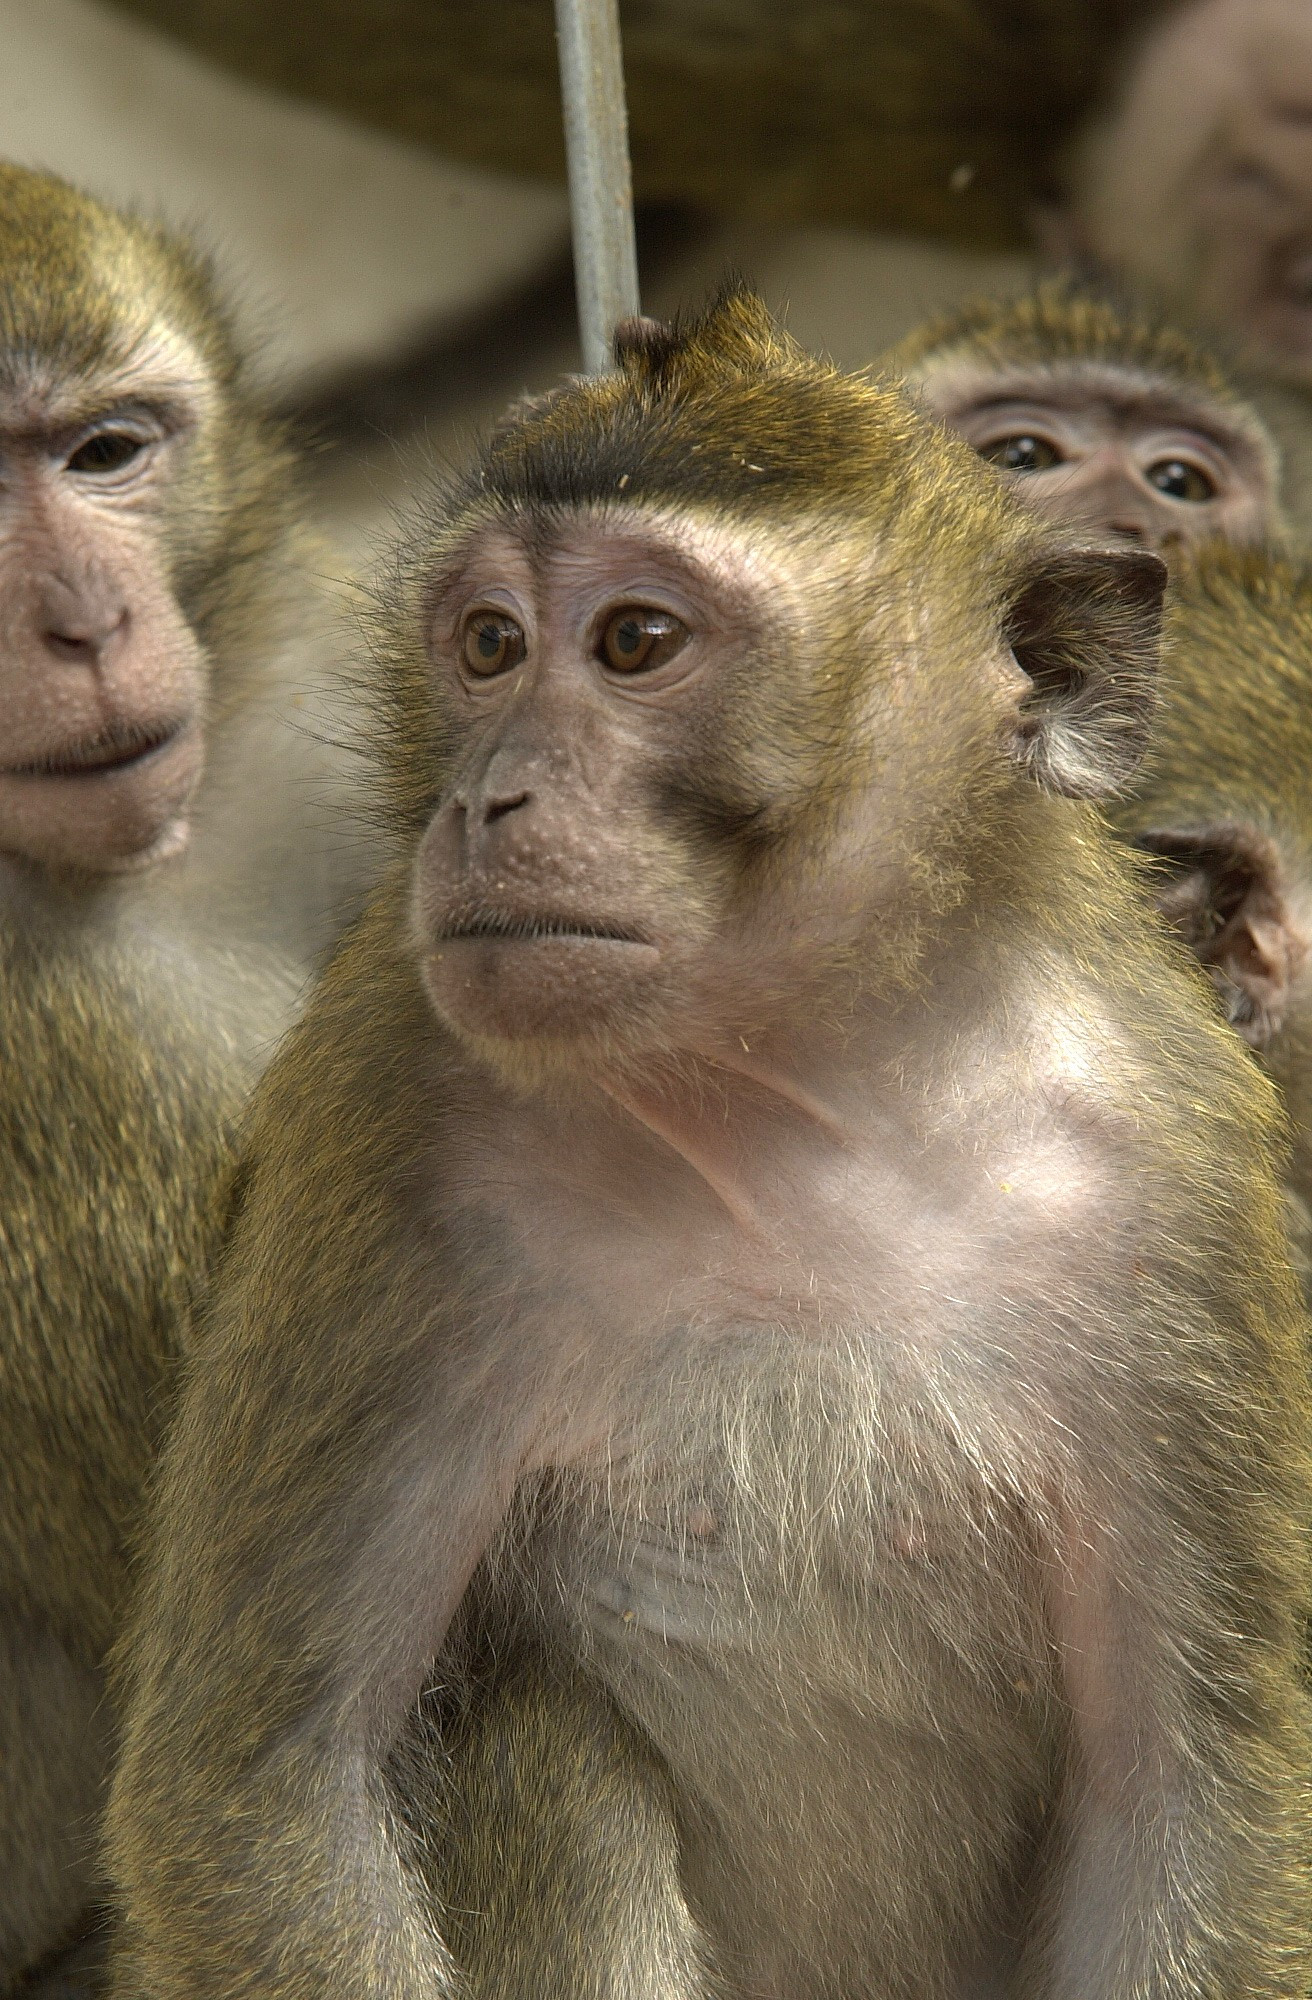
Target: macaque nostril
(498, 808)
(73, 638)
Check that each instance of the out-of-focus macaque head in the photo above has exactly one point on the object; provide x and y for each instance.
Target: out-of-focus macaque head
(702, 744)
(1101, 418)
(1198, 183)
(131, 473)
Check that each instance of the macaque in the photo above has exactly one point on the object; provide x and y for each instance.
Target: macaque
(1223, 802)
(1102, 418)
(149, 556)
(735, 1237)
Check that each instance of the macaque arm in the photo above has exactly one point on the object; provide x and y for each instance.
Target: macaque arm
(1174, 1870)
(313, 1545)
(551, 1839)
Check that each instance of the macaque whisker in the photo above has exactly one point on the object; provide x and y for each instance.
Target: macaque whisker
(110, 749)
(511, 926)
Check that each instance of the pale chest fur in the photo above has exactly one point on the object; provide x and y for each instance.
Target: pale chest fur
(802, 1492)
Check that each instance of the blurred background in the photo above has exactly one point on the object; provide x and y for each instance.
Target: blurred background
(381, 180)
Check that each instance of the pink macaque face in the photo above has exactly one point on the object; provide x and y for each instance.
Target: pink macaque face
(1114, 454)
(636, 718)
(102, 678)
(557, 891)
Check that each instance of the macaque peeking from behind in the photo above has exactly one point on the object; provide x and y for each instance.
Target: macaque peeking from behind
(736, 1224)
(1223, 801)
(1112, 422)
(150, 558)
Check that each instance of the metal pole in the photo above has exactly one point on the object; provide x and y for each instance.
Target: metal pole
(600, 184)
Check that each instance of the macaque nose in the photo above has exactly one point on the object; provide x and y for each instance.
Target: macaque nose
(1112, 506)
(499, 803)
(79, 624)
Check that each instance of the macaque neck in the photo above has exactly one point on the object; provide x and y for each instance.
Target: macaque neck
(763, 1116)
(731, 1114)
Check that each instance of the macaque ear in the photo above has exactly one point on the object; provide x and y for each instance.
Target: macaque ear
(1085, 629)
(1222, 888)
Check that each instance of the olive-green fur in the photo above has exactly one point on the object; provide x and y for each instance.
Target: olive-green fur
(938, 116)
(1063, 320)
(1233, 736)
(128, 1042)
(542, 1826)
(1232, 747)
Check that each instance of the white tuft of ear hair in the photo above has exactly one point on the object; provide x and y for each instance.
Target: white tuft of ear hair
(1084, 627)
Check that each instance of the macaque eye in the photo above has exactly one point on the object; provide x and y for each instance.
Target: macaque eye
(494, 642)
(107, 451)
(1181, 481)
(636, 640)
(1021, 454)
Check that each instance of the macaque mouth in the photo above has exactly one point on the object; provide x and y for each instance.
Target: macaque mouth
(118, 748)
(500, 926)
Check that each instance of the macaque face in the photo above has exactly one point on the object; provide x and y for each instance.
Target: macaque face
(102, 679)
(1115, 460)
(552, 894)
(633, 719)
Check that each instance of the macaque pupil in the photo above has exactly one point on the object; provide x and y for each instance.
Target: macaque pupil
(639, 639)
(1022, 454)
(492, 644)
(1180, 481)
(108, 451)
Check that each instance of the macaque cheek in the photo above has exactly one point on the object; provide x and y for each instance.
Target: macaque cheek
(1245, 516)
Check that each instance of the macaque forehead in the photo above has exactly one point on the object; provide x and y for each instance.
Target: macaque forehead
(158, 370)
(558, 568)
(1130, 394)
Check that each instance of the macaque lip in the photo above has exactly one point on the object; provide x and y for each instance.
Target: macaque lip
(123, 747)
(518, 978)
(498, 929)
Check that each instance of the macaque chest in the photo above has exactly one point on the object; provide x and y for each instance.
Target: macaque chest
(790, 1577)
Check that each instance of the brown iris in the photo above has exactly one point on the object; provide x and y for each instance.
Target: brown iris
(1024, 453)
(637, 639)
(494, 642)
(1181, 480)
(106, 451)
